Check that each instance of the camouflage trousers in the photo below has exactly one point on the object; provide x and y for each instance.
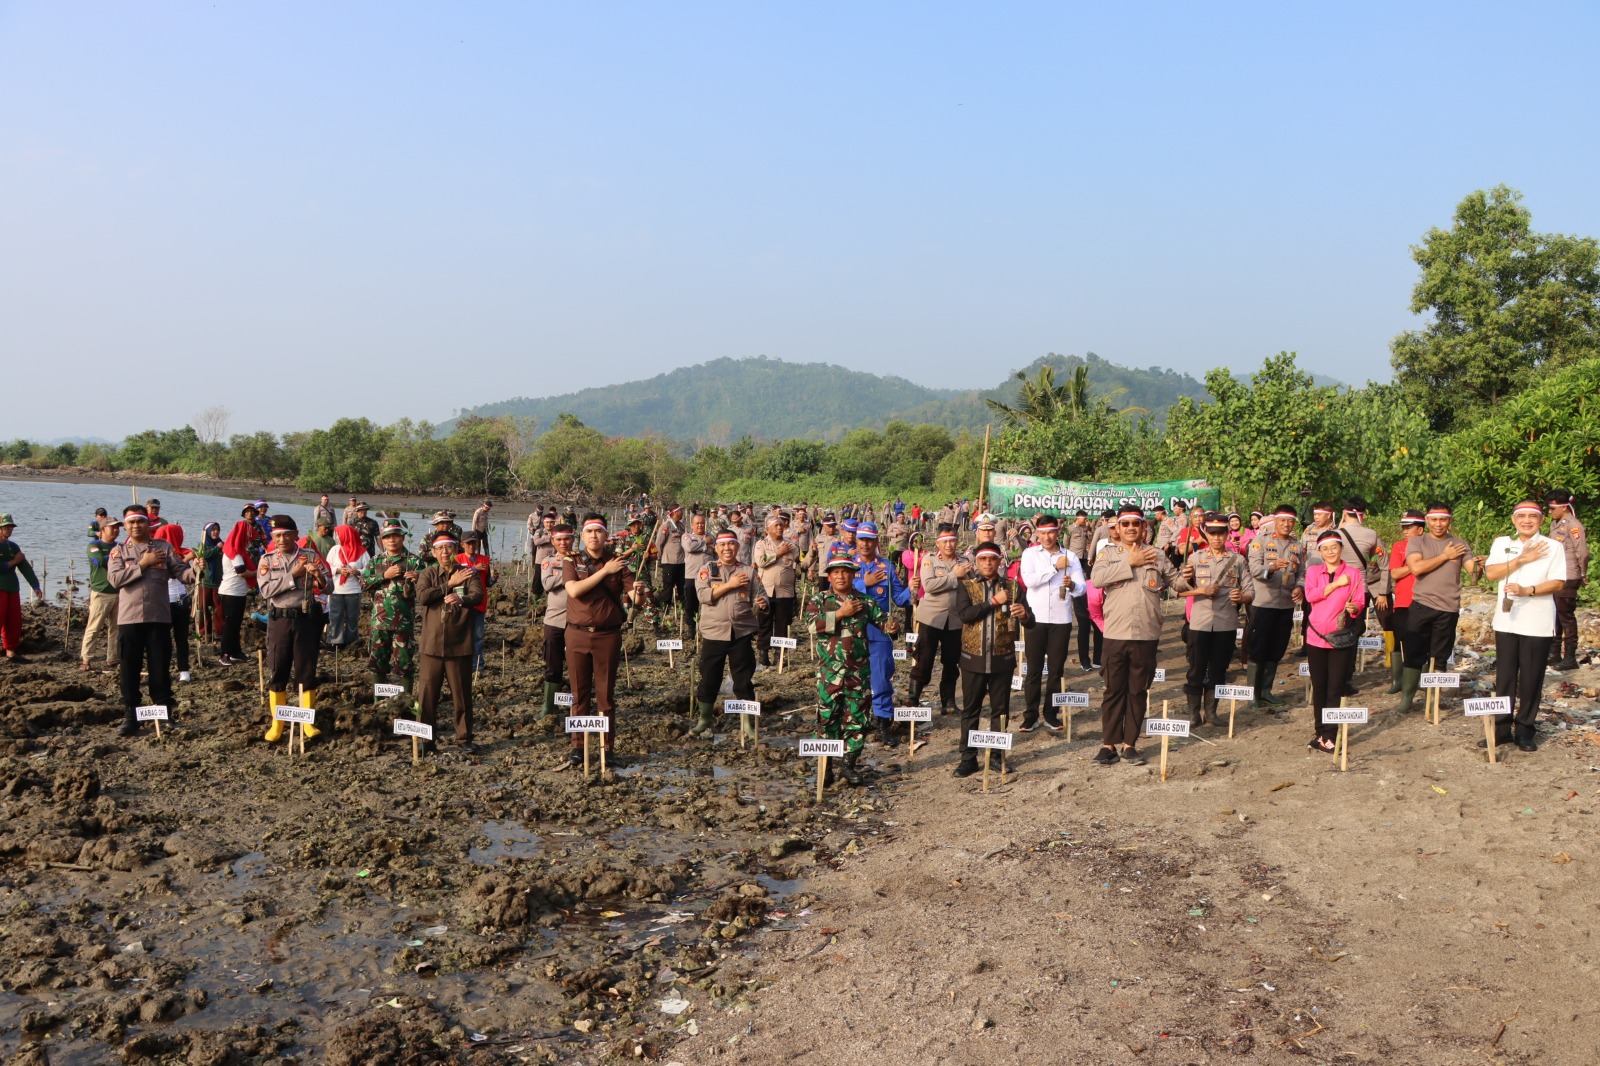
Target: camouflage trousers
(845, 711)
(393, 653)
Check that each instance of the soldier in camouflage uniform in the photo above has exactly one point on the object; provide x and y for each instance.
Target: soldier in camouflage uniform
(837, 618)
(444, 525)
(391, 579)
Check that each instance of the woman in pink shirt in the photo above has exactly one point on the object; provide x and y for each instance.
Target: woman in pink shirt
(1335, 592)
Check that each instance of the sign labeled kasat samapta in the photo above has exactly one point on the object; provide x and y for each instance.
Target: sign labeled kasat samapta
(1023, 496)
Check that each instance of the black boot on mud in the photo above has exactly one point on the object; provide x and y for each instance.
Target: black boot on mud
(1196, 715)
(967, 766)
(130, 724)
(886, 735)
(1269, 677)
(852, 775)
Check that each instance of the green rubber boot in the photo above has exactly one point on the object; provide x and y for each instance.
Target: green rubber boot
(1396, 669)
(707, 723)
(1410, 681)
(549, 707)
(1252, 677)
(1269, 677)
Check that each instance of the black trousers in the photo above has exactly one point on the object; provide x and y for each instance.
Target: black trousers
(1566, 638)
(1210, 654)
(1331, 670)
(1399, 622)
(1431, 635)
(1088, 633)
(142, 644)
(974, 686)
(555, 654)
(1269, 633)
(232, 623)
(1519, 664)
(773, 622)
(671, 584)
(292, 646)
(946, 645)
(738, 655)
(691, 605)
(182, 619)
(1047, 644)
(1130, 666)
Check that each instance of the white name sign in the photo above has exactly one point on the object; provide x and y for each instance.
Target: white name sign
(1020, 648)
(384, 691)
(1069, 699)
(1369, 643)
(982, 738)
(1300, 616)
(1166, 727)
(913, 714)
(1161, 675)
(1441, 680)
(1016, 682)
(1344, 716)
(1488, 705)
(156, 712)
(785, 642)
(1236, 692)
(303, 715)
(1305, 670)
(589, 723)
(911, 638)
(1238, 634)
(812, 748)
(407, 727)
(742, 707)
(669, 645)
(898, 653)
(563, 699)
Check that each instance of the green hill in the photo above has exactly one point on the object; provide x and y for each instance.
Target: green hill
(769, 399)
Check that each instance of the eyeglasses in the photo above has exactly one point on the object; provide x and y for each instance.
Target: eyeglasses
(1131, 525)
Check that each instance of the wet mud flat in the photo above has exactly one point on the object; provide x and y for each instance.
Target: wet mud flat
(208, 898)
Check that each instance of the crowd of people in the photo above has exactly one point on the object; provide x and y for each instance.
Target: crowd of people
(733, 578)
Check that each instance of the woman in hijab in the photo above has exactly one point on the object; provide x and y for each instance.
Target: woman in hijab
(346, 559)
(238, 576)
(208, 560)
(179, 597)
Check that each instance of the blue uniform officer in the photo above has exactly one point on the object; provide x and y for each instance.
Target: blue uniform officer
(877, 579)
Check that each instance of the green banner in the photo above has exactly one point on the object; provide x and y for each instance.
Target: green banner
(1021, 496)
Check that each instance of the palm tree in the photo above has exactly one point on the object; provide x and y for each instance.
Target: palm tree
(1040, 399)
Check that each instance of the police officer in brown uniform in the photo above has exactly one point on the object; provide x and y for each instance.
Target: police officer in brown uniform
(696, 553)
(1133, 575)
(289, 578)
(939, 625)
(555, 617)
(731, 603)
(446, 595)
(1221, 588)
(668, 543)
(598, 583)
(1276, 562)
(775, 556)
(1437, 559)
(1567, 531)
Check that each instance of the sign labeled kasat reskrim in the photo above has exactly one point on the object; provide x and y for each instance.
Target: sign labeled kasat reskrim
(1023, 496)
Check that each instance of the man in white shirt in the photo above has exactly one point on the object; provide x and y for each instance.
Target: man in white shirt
(1052, 576)
(1531, 569)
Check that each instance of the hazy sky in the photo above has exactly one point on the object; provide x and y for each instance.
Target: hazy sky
(305, 211)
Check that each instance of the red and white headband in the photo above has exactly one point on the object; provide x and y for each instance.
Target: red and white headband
(593, 523)
(989, 551)
(945, 536)
(1529, 508)
(1440, 512)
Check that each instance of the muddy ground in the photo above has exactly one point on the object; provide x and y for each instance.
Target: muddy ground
(205, 898)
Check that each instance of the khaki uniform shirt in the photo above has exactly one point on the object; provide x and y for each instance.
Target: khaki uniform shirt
(1078, 538)
(1371, 546)
(1227, 571)
(1569, 533)
(696, 552)
(543, 546)
(281, 589)
(941, 592)
(555, 604)
(669, 542)
(777, 571)
(734, 614)
(1133, 597)
(1273, 588)
(1439, 588)
(142, 594)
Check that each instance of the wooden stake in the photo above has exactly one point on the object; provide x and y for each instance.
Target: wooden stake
(586, 756)
(986, 752)
(822, 774)
(741, 732)
(1343, 743)
(602, 756)
(670, 664)
(1489, 738)
(626, 665)
(911, 751)
(158, 728)
(780, 659)
(416, 752)
(1233, 706)
(1165, 740)
(983, 475)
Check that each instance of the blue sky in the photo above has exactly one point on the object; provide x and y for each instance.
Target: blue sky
(402, 209)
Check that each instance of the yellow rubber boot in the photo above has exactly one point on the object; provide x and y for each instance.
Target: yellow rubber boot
(308, 698)
(275, 730)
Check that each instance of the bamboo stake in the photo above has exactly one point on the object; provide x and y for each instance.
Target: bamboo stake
(1165, 740)
(983, 476)
(1343, 743)
(822, 774)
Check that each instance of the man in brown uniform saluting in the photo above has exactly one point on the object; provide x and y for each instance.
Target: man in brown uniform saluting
(1567, 531)
(1134, 576)
(1436, 559)
(446, 594)
(597, 581)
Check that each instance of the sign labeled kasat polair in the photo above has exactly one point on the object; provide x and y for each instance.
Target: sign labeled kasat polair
(1023, 496)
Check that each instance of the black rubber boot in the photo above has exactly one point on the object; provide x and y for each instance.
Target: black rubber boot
(130, 724)
(1269, 676)
(852, 776)
(886, 735)
(1196, 715)
(914, 694)
(1211, 709)
(967, 766)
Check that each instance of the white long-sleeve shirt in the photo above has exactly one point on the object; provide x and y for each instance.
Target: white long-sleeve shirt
(1043, 582)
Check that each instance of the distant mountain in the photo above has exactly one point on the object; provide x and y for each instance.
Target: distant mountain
(769, 399)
